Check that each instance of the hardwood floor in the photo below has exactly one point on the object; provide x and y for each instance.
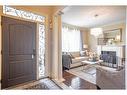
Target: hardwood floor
(71, 81)
(76, 82)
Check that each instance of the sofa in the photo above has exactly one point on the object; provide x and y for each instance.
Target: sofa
(110, 79)
(72, 59)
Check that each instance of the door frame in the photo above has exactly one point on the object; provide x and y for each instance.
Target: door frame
(2, 34)
(36, 39)
(47, 41)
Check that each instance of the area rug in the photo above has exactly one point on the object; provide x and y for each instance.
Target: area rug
(43, 84)
(87, 73)
(37, 86)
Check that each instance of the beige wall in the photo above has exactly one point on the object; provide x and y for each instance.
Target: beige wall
(84, 34)
(93, 40)
(56, 9)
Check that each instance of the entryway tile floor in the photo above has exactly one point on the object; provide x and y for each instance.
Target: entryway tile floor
(43, 84)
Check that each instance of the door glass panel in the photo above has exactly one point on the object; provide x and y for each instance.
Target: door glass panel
(23, 14)
(41, 50)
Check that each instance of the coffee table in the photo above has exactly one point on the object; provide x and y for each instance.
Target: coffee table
(90, 63)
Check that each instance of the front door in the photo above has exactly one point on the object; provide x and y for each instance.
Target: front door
(18, 51)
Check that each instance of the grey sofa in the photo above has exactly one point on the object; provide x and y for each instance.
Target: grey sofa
(72, 59)
(108, 79)
(66, 61)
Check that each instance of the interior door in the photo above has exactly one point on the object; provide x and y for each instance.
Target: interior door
(18, 51)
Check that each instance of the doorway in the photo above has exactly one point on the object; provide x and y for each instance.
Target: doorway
(39, 38)
(18, 51)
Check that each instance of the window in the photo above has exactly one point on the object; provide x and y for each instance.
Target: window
(41, 50)
(22, 14)
(71, 39)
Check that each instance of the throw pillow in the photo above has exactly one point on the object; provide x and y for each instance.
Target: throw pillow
(82, 53)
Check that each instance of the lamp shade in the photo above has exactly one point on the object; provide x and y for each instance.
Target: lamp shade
(117, 38)
(85, 46)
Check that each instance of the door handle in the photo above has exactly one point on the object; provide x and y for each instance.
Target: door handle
(32, 56)
(34, 52)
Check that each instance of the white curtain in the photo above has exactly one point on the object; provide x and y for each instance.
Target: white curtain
(71, 39)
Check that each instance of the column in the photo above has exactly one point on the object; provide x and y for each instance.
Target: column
(57, 48)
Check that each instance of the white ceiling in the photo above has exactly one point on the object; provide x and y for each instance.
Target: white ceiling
(83, 16)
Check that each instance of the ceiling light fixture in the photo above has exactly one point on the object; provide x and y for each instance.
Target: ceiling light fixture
(96, 31)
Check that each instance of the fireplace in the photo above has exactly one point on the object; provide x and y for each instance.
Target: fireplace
(119, 52)
(109, 58)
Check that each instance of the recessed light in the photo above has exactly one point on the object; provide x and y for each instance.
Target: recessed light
(96, 15)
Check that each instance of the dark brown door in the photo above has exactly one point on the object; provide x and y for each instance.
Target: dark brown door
(18, 51)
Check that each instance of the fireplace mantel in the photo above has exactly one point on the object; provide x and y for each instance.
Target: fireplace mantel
(119, 49)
